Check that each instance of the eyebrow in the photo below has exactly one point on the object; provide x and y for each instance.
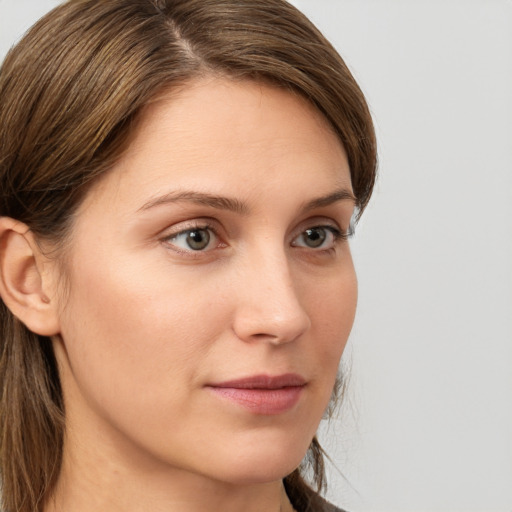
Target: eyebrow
(237, 206)
(338, 195)
(218, 202)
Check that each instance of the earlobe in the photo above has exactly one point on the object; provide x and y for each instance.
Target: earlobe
(23, 282)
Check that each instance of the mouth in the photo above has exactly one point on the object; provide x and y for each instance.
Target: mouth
(262, 394)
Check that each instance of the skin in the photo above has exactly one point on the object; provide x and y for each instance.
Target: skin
(146, 323)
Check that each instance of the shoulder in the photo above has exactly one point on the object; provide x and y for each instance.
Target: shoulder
(315, 503)
(322, 505)
(304, 499)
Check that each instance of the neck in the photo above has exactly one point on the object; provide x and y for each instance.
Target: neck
(151, 493)
(92, 483)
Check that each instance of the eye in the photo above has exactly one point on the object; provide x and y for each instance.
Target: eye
(319, 237)
(194, 239)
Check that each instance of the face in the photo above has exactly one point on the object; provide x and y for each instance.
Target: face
(211, 288)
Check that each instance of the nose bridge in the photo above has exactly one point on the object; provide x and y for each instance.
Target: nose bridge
(269, 306)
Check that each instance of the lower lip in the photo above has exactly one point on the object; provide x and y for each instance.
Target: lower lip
(262, 401)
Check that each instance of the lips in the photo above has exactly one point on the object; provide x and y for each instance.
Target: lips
(262, 394)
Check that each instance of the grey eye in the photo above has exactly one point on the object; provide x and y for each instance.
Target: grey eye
(319, 237)
(198, 239)
(195, 239)
(314, 237)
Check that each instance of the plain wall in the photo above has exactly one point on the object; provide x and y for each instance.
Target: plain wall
(427, 423)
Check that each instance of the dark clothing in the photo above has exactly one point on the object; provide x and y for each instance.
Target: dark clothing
(313, 503)
(321, 505)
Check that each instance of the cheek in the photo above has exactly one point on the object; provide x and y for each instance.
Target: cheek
(131, 332)
(332, 310)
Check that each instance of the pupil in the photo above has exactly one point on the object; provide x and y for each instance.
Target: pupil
(315, 237)
(198, 239)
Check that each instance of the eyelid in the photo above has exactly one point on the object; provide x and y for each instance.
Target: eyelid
(211, 224)
(329, 223)
(337, 234)
(188, 224)
(183, 227)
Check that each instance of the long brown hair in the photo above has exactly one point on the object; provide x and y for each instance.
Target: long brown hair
(70, 94)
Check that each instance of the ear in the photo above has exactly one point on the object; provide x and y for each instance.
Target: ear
(24, 279)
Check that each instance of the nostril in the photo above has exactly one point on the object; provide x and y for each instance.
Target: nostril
(265, 337)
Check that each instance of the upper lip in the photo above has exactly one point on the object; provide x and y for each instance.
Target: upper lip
(263, 382)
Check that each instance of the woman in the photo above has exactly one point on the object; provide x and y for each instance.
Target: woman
(178, 183)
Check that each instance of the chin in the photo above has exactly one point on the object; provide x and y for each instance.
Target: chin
(262, 465)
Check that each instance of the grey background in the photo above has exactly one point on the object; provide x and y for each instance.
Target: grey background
(427, 422)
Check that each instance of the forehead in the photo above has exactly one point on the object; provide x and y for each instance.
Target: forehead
(224, 110)
(232, 136)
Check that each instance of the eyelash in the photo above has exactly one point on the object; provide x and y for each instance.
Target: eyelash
(197, 227)
(339, 236)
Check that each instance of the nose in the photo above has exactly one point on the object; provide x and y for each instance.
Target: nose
(268, 306)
